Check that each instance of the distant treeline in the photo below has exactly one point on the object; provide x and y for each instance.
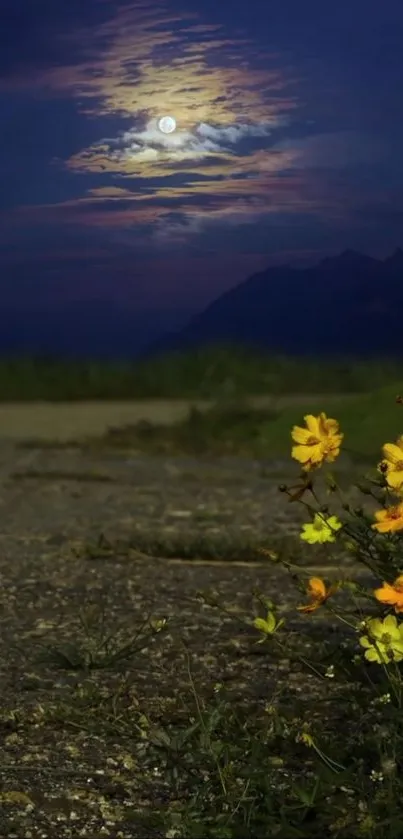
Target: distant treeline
(220, 373)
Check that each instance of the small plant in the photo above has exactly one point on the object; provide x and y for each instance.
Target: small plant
(336, 770)
(99, 647)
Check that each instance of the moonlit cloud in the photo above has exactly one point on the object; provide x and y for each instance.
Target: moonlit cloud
(150, 144)
(232, 133)
(275, 132)
(226, 111)
(220, 166)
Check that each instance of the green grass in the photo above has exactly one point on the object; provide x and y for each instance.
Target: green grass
(228, 545)
(367, 421)
(225, 372)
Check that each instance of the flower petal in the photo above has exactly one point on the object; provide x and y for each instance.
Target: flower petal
(309, 534)
(301, 453)
(327, 425)
(334, 523)
(374, 626)
(386, 594)
(260, 623)
(301, 435)
(390, 625)
(317, 454)
(313, 424)
(316, 587)
(394, 478)
(392, 452)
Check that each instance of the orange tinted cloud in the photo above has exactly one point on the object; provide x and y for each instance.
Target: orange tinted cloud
(146, 61)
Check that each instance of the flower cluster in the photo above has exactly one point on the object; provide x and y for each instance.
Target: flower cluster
(319, 442)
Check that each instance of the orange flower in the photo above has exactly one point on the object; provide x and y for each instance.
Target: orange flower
(319, 441)
(389, 520)
(391, 595)
(318, 593)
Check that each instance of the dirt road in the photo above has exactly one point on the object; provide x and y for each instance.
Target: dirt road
(69, 420)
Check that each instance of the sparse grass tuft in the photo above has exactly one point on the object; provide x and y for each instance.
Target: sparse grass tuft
(239, 429)
(99, 646)
(231, 546)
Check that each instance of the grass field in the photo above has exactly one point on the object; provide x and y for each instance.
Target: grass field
(136, 699)
(367, 420)
(205, 374)
(252, 428)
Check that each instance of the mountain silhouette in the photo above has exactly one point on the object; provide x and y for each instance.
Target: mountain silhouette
(347, 304)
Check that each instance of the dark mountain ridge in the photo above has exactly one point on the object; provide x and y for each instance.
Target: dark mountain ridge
(348, 304)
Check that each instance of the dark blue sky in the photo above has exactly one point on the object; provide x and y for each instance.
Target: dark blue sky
(287, 147)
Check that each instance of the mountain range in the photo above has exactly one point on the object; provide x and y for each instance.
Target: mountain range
(348, 304)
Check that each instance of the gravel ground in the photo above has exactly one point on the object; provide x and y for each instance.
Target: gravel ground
(61, 777)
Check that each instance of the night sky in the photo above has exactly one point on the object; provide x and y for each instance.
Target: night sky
(287, 147)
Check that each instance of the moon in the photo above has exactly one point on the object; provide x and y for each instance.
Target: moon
(167, 125)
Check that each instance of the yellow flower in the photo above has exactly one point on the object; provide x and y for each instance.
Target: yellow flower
(319, 441)
(391, 595)
(392, 465)
(390, 519)
(388, 638)
(322, 529)
(318, 593)
(268, 626)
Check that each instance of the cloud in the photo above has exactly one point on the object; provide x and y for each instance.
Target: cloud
(134, 148)
(233, 133)
(232, 162)
(109, 192)
(335, 150)
(137, 63)
(144, 58)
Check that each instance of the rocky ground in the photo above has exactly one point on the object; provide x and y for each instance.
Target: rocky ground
(112, 539)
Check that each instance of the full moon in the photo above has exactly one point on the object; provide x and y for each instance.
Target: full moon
(167, 125)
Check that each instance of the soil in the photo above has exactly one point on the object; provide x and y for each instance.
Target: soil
(72, 420)
(73, 761)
